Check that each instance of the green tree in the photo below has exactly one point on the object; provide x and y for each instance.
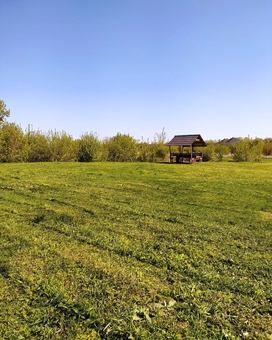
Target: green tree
(220, 150)
(159, 150)
(3, 112)
(144, 152)
(38, 149)
(267, 148)
(12, 143)
(89, 148)
(248, 150)
(156, 151)
(209, 151)
(121, 148)
(62, 147)
(105, 149)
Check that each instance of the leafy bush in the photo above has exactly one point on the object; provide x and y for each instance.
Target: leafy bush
(156, 151)
(121, 148)
(221, 150)
(248, 150)
(12, 143)
(89, 148)
(209, 151)
(38, 149)
(143, 152)
(267, 148)
(159, 152)
(153, 152)
(62, 146)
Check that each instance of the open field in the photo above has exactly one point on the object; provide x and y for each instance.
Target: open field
(136, 251)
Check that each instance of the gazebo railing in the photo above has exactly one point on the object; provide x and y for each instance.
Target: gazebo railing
(188, 156)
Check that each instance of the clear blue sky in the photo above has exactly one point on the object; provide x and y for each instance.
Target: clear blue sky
(138, 66)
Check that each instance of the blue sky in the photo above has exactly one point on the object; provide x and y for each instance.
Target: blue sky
(138, 66)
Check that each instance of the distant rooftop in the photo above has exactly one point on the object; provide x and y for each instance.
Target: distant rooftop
(232, 140)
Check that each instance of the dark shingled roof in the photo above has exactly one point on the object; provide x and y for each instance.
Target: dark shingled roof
(187, 140)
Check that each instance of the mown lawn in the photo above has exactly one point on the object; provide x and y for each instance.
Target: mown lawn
(136, 251)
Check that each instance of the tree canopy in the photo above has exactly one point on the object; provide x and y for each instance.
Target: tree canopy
(3, 111)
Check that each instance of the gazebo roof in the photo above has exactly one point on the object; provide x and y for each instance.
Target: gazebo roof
(187, 140)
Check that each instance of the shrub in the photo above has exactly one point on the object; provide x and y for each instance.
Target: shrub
(143, 152)
(267, 148)
(121, 148)
(209, 151)
(89, 148)
(159, 152)
(221, 150)
(12, 143)
(156, 151)
(152, 152)
(62, 147)
(248, 150)
(37, 147)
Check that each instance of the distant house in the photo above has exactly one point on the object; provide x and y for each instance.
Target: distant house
(230, 141)
(179, 142)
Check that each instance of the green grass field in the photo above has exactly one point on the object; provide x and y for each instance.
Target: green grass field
(136, 251)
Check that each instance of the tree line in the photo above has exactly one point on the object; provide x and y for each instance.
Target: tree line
(17, 145)
(245, 150)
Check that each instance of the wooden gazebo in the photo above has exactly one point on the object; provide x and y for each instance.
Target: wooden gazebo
(188, 141)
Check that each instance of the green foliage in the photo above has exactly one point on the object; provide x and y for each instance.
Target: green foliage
(38, 147)
(62, 147)
(221, 150)
(135, 251)
(267, 148)
(144, 153)
(156, 151)
(4, 112)
(12, 143)
(89, 148)
(121, 148)
(159, 152)
(160, 137)
(105, 149)
(209, 151)
(248, 150)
